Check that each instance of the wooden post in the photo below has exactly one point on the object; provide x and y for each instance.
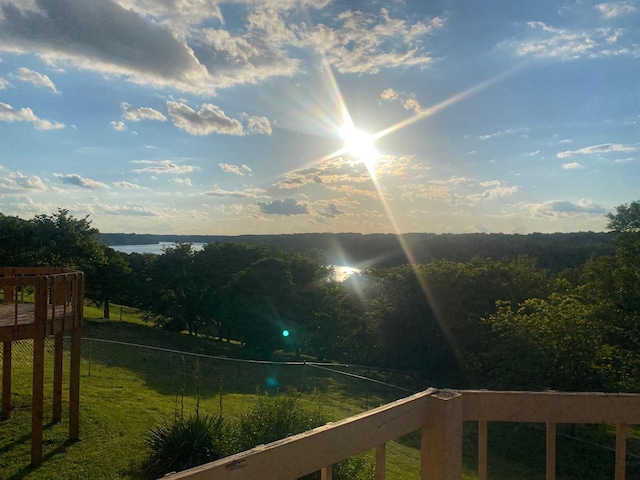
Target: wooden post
(6, 379)
(326, 473)
(57, 376)
(74, 384)
(621, 452)
(551, 451)
(38, 371)
(441, 444)
(482, 450)
(381, 462)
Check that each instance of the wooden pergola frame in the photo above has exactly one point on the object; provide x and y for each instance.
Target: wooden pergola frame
(56, 307)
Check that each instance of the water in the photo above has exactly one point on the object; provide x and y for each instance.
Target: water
(342, 272)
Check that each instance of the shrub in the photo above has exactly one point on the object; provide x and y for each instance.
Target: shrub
(185, 443)
(274, 418)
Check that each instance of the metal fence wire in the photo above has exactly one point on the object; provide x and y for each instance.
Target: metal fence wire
(178, 373)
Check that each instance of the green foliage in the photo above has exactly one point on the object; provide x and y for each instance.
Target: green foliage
(274, 418)
(546, 343)
(185, 443)
(626, 218)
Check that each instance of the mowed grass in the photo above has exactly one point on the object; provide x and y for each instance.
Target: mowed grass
(125, 391)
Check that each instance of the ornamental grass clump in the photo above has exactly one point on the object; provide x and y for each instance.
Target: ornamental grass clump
(184, 443)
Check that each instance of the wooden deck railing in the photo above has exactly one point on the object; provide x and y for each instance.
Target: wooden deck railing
(439, 415)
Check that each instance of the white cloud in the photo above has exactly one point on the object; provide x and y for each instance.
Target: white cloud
(9, 114)
(572, 166)
(288, 206)
(3, 83)
(598, 149)
(389, 94)
(565, 44)
(35, 78)
(246, 193)
(259, 125)
(16, 181)
(228, 168)
(124, 184)
(614, 10)
(366, 43)
(118, 126)
(183, 181)
(563, 208)
(163, 167)
(141, 51)
(82, 182)
(141, 113)
(208, 120)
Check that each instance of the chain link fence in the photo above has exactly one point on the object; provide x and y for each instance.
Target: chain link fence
(181, 374)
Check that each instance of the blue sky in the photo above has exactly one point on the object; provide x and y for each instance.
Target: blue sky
(214, 117)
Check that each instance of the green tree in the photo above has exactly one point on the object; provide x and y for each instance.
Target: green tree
(173, 291)
(553, 342)
(61, 240)
(258, 303)
(626, 218)
(16, 242)
(109, 279)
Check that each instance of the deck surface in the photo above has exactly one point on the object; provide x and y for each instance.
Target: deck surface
(17, 321)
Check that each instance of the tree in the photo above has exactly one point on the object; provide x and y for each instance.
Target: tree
(16, 241)
(61, 240)
(626, 218)
(553, 342)
(258, 303)
(173, 293)
(109, 279)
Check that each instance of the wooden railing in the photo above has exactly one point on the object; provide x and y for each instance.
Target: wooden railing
(439, 415)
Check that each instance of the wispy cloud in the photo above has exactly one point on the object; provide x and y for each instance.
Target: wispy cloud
(82, 182)
(598, 149)
(9, 114)
(616, 9)
(246, 193)
(209, 119)
(288, 206)
(34, 78)
(565, 44)
(235, 169)
(572, 166)
(16, 181)
(163, 167)
(141, 113)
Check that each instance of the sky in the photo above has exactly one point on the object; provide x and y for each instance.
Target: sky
(281, 116)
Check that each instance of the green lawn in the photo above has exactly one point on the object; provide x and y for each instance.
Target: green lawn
(125, 391)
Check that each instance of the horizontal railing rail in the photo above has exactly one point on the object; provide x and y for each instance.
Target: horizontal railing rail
(439, 416)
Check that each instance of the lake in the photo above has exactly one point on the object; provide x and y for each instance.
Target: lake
(342, 272)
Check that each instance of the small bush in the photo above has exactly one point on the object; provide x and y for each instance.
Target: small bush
(185, 443)
(274, 418)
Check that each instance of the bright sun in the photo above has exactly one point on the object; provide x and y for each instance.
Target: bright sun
(359, 144)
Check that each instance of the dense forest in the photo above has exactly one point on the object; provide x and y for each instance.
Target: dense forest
(555, 251)
(481, 312)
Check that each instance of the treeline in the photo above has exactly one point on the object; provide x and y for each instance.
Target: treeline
(555, 251)
(503, 322)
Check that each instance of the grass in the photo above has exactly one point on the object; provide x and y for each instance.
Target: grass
(125, 391)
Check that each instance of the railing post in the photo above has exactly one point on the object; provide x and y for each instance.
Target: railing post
(621, 451)
(441, 443)
(482, 449)
(551, 451)
(381, 462)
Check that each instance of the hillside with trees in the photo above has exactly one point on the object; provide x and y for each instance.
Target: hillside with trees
(466, 317)
(555, 251)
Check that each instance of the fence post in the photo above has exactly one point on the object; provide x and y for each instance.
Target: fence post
(441, 443)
